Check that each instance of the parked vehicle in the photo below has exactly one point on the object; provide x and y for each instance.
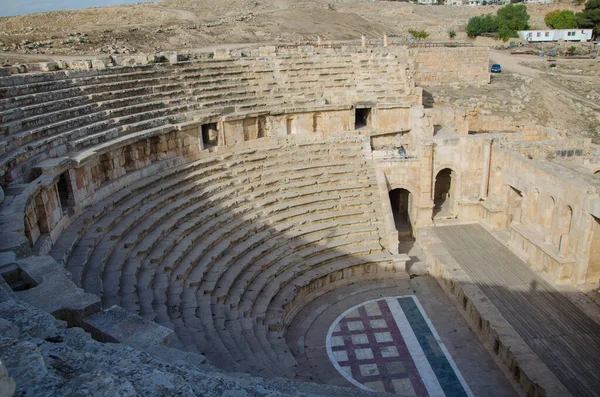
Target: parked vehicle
(496, 68)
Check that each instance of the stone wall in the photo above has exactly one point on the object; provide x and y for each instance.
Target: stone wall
(451, 66)
(550, 213)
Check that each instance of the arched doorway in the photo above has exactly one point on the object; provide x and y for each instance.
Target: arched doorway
(401, 201)
(442, 193)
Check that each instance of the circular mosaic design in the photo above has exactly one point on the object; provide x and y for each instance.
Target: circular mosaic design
(389, 345)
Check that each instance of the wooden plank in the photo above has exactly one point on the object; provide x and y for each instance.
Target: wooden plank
(564, 338)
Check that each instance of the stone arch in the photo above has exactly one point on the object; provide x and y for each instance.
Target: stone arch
(515, 200)
(548, 212)
(401, 201)
(564, 220)
(443, 191)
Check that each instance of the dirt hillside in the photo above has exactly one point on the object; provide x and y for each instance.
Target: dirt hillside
(559, 97)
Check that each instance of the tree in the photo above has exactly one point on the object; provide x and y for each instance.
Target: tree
(512, 18)
(590, 16)
(561, 19)
(483, 24)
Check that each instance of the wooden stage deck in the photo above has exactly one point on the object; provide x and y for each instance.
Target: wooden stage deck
(564, 338)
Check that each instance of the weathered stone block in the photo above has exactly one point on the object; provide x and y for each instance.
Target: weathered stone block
(118, 325)
(15, 242)
(54, 292)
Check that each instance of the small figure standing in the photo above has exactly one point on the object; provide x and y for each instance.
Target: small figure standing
(402, 152)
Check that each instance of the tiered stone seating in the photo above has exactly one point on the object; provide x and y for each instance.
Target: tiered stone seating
(215, 248)
(57, 114)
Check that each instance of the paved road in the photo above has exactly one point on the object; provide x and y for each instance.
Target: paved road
(566, 340)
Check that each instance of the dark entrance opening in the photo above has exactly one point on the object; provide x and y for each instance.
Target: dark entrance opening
(361, 117)
(210, 135)
(65, 192)
(442, 193)
(400, 199)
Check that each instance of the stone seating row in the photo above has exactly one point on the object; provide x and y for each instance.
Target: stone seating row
(30, 84)
(115, 83)
(177, 178)
(100, 123)
(206, 249)
(85, 87)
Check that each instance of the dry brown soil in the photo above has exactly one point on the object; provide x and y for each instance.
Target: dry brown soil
(178, 24)
(566, 97)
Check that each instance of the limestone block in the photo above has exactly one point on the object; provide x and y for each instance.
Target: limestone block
(5, 71)
(16, 243)
(98, 64)
(267, 51)
(54, 292)
(222, 53)
(118, 325)
(48, 66)
(80, 65)
(175, 57)
(7, 384)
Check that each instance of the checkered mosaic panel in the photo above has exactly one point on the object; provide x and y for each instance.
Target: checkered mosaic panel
(369, 348)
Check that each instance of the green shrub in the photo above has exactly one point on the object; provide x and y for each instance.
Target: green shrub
(418, 34)
(451, 33)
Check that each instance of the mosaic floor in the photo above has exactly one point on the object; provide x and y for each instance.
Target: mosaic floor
(389, 345)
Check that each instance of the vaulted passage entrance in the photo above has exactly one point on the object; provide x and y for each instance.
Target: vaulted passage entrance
(443, 197)
(401, 201)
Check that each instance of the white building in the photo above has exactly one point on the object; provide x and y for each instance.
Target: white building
(427, 1)
(455, 2)
(538, 1)
(556, 34)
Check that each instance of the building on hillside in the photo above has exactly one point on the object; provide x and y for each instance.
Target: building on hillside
(556, 34)
(428, 2)
(538, 1)
(455, 2)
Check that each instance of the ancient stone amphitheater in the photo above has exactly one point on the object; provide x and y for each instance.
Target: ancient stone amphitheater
(170, 227)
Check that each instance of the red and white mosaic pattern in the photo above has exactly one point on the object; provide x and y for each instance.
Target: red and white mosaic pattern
(375, 347)
(368, 347)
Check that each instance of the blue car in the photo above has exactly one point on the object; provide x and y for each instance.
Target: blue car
(496, 68)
